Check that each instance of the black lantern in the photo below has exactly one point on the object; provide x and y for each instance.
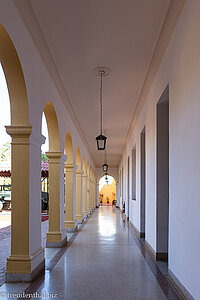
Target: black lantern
(101, 142)
(101, 139)
(105, 167)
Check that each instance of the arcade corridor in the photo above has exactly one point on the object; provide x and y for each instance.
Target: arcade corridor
(104, 260)
(116, 84)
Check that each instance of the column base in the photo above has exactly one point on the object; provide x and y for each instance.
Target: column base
(70, 225)
(71, 230)
(85, 214)
(79, 219)
(24, 268)
(56, 239)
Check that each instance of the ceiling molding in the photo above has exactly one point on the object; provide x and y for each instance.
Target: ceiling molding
(32, 24)
(172, 15)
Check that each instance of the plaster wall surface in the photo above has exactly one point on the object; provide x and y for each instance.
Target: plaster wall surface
(180, 67)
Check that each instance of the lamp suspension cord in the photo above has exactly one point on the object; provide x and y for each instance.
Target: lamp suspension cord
(101, 102)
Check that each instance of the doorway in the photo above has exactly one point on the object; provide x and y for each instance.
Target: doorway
(128, 187)
(162, 177)
(143, 183)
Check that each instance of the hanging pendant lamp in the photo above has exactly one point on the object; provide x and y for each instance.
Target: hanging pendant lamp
(101, 139)
(105, 165)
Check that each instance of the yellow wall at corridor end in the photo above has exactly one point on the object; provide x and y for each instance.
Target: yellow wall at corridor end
(108, 191)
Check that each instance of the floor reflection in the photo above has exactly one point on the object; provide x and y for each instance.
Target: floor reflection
(107, 225)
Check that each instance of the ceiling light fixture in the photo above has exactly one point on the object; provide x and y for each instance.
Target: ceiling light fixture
(105, 165)
(101, 139)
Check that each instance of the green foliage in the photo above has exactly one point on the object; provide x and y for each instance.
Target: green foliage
(6, 152)
(44, 157)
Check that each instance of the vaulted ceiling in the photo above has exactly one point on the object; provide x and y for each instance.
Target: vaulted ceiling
(121, 35)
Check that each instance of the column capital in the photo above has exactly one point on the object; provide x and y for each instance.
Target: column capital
(69, 165)
(79, 171)
(85, 176)
(54, 154)
(19, 131)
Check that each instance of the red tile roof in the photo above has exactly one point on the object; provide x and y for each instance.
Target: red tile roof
(5, 168)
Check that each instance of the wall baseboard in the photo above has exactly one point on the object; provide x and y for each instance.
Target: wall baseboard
(156, 255)
(142, 234)
(150, 250)
(139, 234)
(162, 256)
(179, 286)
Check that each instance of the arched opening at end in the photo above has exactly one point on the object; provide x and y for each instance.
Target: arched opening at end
(78, 158)
(69, 148)
(107, 191)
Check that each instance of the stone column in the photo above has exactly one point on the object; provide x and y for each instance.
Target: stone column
(79, 217)
(97, 194)
(91, 195)
(56, 237)
(84, 210)
(88, 195)
(27, 256)
(94, 203)
(69, 197)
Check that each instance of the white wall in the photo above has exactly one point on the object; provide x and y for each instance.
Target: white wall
(180, 67)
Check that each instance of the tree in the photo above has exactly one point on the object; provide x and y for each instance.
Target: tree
(44, 157)
(6, 152)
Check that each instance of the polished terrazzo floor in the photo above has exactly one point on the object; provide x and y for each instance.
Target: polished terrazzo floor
(104, 260)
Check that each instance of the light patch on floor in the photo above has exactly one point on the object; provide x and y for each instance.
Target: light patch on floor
(5, 219)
